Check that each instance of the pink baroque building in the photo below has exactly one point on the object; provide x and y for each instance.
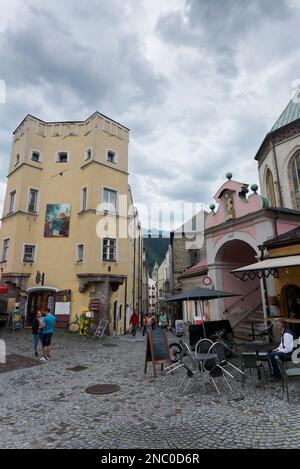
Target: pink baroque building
(235, 229)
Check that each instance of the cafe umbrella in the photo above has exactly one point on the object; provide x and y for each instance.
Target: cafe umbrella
(201, 294)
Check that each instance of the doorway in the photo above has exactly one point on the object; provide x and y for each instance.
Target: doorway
(292, 293)
(39, 300)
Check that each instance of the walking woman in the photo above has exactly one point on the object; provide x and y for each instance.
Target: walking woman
(37, 331)
(163, 321)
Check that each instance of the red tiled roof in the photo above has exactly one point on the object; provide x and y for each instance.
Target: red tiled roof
(198, 269)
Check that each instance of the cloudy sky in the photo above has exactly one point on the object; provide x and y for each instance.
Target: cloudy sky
(198, 82)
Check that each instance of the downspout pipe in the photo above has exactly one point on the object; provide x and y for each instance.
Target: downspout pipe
(265, 288)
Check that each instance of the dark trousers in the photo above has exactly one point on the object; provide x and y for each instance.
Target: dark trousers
(274, 364)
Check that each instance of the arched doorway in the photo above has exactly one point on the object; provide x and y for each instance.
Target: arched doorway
(39, 299)
(290, 300)
(232, 255)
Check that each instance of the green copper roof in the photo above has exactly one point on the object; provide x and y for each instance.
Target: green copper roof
(290, 114)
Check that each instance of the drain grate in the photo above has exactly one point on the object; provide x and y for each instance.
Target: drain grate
(77, 368)
(99, 389)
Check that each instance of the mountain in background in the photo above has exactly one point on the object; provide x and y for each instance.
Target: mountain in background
(155, 248)
(155, 233)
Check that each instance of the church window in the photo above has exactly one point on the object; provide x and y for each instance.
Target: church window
(295, 168)
(270, 188)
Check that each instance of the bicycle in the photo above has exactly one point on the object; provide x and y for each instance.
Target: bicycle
(82, 325)
(175, 350)
(227, 340)
(231, 348)
(75, 324)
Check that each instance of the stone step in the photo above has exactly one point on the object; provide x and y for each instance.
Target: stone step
(243, 330)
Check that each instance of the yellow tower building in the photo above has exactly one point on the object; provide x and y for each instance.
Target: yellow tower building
(64, 230)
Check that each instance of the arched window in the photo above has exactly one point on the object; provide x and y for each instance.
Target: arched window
(295, 169)
(270, 188)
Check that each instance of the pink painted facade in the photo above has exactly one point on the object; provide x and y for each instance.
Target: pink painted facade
(237, 224)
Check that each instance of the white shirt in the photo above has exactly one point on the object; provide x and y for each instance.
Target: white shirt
(288, 340)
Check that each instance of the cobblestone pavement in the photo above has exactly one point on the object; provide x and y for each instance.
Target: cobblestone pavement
(47, 407)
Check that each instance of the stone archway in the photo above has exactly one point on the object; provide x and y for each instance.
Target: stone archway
(232, 255)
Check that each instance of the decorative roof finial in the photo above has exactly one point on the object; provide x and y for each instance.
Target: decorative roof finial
(254, 188)
(229, 176)
(212, 207)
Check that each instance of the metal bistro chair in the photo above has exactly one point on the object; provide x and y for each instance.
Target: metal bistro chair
(286, 373)
(194, 367)
(203, 346)
(191, 369)
(219, 350)
(213, 370)
(250, 361)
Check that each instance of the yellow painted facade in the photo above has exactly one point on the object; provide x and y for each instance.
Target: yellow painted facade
(89, 146)
(287, 277)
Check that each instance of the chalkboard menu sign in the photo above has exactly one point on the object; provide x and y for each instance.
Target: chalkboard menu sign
(157, 350)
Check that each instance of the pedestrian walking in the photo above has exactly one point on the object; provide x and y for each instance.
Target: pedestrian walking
(134, 323)
(48, 330)
(163, 321)
(145, 320)
(37, 331)
(147, 323)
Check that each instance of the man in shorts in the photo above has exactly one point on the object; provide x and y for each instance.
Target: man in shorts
(48, 330)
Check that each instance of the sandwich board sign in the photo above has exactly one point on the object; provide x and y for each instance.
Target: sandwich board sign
(14, 320)
(101, 328)
(157, 350)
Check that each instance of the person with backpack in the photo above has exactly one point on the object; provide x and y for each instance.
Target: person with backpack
(284, 350)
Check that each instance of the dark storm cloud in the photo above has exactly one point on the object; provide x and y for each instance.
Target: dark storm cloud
(45, 52)
(198, 82)
(56, 72)
(219, 23)
(217, 27)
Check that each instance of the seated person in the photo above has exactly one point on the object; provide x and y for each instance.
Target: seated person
(285, 349)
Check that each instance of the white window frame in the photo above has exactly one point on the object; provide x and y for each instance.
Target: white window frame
(37, 200)
(2, 253)
(14, 191)
(117, 198)
(86, 154)
(33, 150)
(116, 250)
(77, 252)
(35, 253)
(116, 156)
(57, 156)
(82, 209)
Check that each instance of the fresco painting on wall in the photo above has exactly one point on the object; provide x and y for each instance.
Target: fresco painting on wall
(57, 222)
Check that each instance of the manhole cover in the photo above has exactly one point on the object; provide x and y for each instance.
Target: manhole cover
(77, 368)
(99, 389)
